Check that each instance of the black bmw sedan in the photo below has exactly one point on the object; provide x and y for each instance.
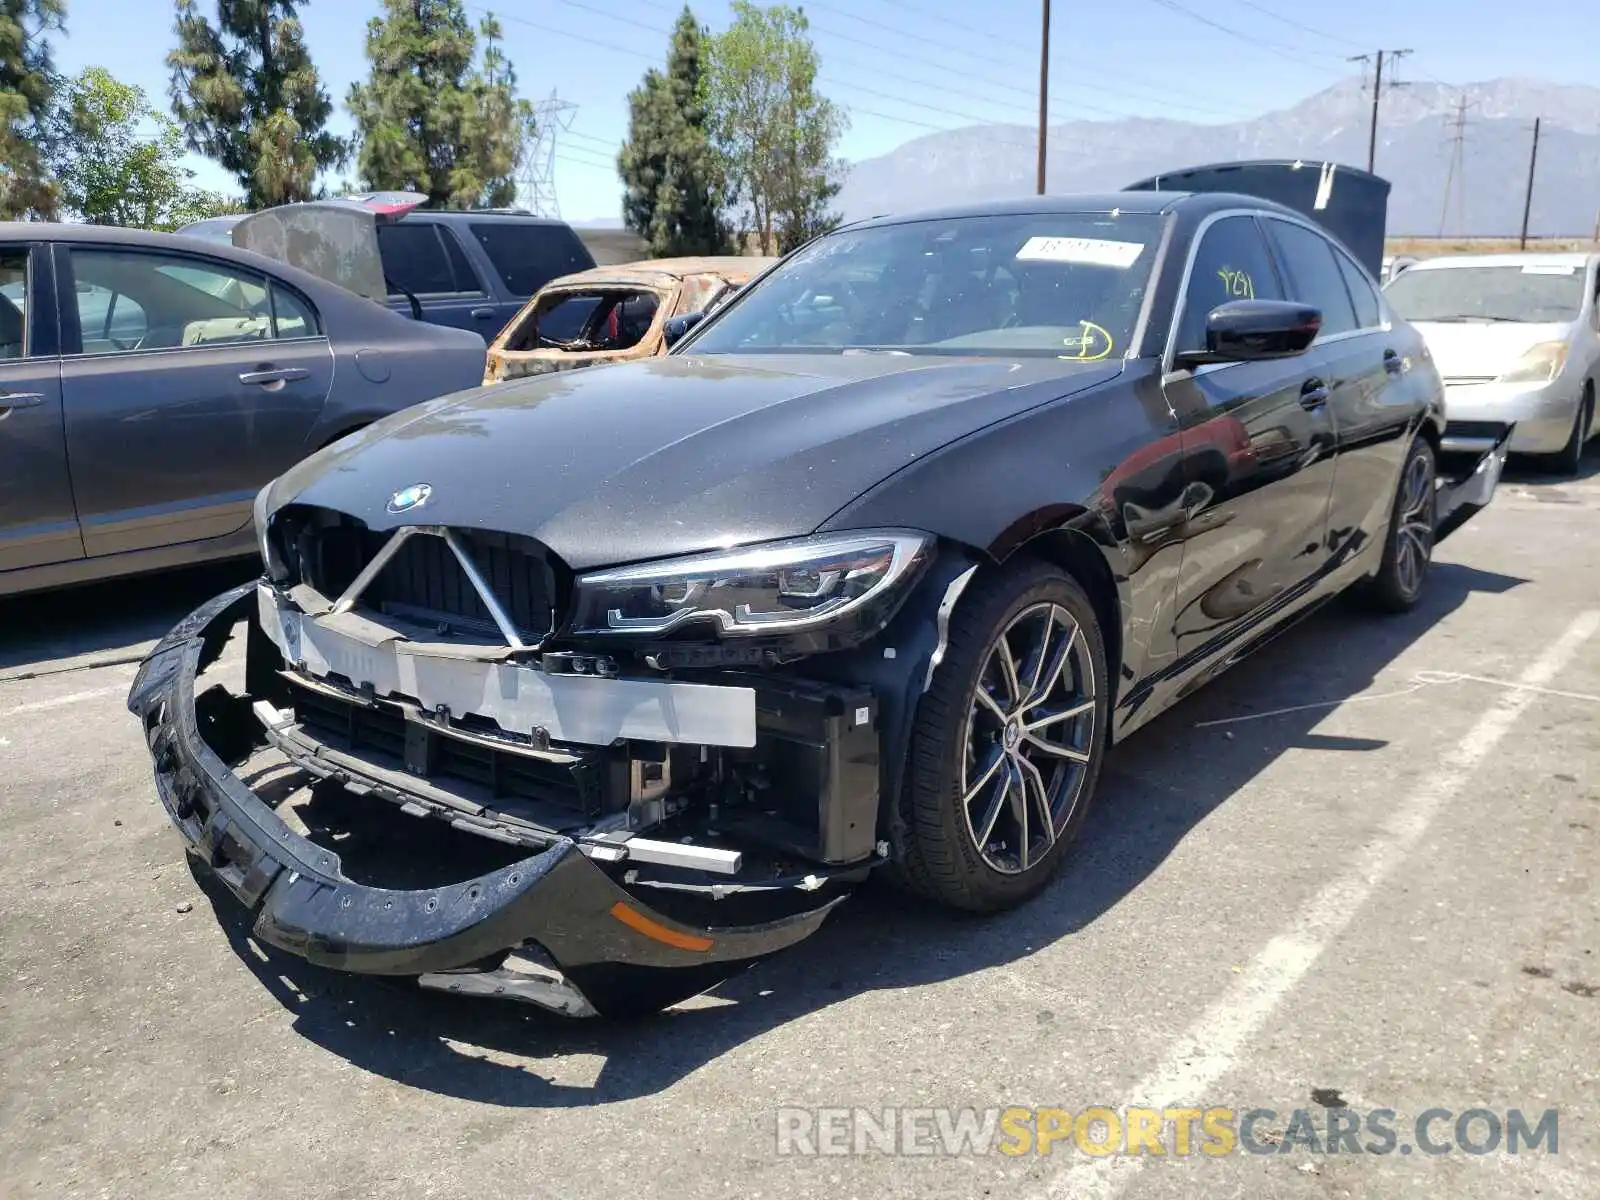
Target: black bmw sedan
(868, 573)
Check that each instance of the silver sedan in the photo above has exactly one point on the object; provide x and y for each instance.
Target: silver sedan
(1516, 338)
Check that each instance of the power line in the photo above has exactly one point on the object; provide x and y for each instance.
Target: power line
(1272, 47)
(965, 54)
(1290, 21)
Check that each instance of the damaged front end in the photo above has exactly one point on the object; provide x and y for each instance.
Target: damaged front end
(687, 806)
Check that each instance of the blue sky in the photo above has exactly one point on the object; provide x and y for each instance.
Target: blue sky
(904, 68)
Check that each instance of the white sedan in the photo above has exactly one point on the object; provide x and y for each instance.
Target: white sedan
(1516, 338)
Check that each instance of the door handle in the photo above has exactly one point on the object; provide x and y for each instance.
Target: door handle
(10, 400)
(1313, 394)
(483, 314)
(1391, 362)
(270, 375)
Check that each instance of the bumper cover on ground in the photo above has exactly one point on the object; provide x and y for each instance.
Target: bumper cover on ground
(621, 955)
(1469, 474)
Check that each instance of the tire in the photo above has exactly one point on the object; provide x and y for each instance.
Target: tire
(1569, 458)
(1408, 546)
(941, 857)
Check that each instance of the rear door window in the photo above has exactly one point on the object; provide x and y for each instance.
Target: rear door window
(528, 256)
(13, 303)
(129, 300)
(414, 259)
(1369, 311)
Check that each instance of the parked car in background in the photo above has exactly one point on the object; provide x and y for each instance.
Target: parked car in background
(1394, 264)
(1517, 338)
(150, 384)
(470, 269)
(611, 314)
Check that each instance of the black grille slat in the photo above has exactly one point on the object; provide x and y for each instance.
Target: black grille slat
(558, 792)
(425, 582)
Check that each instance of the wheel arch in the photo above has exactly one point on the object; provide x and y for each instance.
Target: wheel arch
(345, 431)
(1075, 551)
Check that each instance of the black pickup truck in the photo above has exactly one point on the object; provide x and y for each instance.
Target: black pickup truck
(468, 269)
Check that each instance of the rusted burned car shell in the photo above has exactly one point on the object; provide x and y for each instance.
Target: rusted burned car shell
(680, 285)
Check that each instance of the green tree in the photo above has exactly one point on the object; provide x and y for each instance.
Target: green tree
(197, 205)
(772, 130)
(118, 161)
(429, 119)
(27, 89)
(247, 95)
(673, 196)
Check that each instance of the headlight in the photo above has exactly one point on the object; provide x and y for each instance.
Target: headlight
(1540, 364)
(776, 588)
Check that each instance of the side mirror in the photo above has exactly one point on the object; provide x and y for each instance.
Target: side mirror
(678, 327)
(1254, 330)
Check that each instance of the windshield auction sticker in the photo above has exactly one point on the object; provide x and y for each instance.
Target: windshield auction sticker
(1096, 252)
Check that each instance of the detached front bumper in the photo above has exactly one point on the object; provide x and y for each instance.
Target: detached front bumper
(1469, 472)
(616, 955)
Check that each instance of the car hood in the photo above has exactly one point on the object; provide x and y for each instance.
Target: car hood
(674, 454)
(1483, 349)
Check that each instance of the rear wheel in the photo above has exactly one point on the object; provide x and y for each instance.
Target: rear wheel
(1408, 549)
(1008, 742)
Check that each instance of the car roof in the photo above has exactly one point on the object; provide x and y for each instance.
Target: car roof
(145, 239)
(452, 216)
(1576, 258)
(115, 235)
(1142, 203)
(663, 270)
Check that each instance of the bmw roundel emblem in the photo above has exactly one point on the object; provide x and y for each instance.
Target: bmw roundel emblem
(409, 498)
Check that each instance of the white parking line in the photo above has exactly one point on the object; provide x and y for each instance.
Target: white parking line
(1209, 1047)
(63, 701)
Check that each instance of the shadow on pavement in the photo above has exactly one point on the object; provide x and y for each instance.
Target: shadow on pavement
(1530, 472)
(112, 619)
(1156, 788)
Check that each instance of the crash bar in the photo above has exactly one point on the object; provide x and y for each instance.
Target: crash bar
(468, 567)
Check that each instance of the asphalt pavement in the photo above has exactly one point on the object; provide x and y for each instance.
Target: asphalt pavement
(1355, 876)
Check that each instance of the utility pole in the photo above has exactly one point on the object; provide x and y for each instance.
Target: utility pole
(1377, 91)
(1533, 163)
(1044, 91)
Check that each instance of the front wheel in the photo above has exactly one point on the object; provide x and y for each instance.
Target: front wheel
(1569, 458)
(1007, 743)
(1408, 549)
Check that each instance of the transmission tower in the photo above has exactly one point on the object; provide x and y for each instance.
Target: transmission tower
(1455, 176)
(536, 183)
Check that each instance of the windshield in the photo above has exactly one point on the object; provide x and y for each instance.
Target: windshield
(1534, 294)
(1038, 285)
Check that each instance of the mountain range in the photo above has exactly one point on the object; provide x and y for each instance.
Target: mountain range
(1416, 147)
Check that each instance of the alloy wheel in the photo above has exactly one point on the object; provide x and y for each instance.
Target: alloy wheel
(1029, 738)
(1414, 538)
